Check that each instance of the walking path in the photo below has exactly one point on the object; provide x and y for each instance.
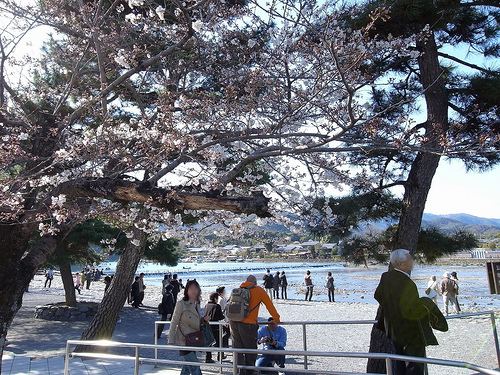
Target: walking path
(21, 365)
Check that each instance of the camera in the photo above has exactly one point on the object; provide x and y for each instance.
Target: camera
(266, 339)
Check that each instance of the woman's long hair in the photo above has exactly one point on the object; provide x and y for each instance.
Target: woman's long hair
(186, 288)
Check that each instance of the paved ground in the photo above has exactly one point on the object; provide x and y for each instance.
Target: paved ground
(21, 365)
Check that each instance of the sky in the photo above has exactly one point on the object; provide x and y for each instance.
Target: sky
(454, 190)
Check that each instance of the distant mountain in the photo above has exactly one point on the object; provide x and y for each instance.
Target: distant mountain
(454, 222)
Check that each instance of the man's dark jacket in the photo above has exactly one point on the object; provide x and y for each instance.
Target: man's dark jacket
(407, 318)
(168, 304)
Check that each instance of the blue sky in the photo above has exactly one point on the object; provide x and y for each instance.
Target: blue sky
(456, 191)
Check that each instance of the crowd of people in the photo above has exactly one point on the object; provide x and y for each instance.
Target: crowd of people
(406, 319)
(274, 283)
(448, 288)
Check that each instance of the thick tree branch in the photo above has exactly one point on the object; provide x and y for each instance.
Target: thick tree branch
(130, 191)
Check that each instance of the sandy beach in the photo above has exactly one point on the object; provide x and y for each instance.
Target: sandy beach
(469, 339)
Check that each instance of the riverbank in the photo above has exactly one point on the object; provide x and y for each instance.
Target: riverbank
(469, 339)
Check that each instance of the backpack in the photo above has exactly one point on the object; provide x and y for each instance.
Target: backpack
(237, 307)
(329, 284)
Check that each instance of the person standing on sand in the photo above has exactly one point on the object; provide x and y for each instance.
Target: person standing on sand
(244, 332)
(78, 283)
(177, 286)
(407, 319)
(449, 290)
(135, 293)
(88, 278)
(455, 279)
(268, 283)
(309, 285)
(142, 287)
(330, 286)
(185, 320)
(432, 290)
(276, 285)
(49, 276)
(284, 285)
(166, 308)
(164, 283)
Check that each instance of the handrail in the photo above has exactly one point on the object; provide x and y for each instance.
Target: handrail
(304, 325)
(236, 366)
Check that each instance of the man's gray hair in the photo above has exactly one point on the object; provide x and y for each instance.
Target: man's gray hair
(399, 256)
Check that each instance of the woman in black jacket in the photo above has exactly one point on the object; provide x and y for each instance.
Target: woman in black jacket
(214, 312)
(166, 308)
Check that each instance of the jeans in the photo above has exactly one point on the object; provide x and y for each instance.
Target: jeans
(266, 360)
(189, 369)
(270, 292)
(309, 292)
(245, 336)
(284, 294)
(331, 294)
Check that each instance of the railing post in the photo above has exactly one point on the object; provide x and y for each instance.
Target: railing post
(304, 343)
(66, 360)
(235, 363)
(136, 364)
(156, 343)
(220, 346)
(495, 335)
(388, 366)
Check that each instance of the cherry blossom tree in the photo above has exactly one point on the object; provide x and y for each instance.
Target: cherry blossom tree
(153, 113)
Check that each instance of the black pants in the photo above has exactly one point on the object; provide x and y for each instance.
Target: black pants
(284, 294)
(276, 293)
(48, 280)
(161, 326)
(88, 284)
(309, 292)
(245, 336)
(136, 300)
(215, 331)
(331, 294)
(410, 368)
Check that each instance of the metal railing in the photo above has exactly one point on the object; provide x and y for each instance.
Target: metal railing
(304, 325)
(235, 366)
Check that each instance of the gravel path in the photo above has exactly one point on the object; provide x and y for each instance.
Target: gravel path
(469, 339)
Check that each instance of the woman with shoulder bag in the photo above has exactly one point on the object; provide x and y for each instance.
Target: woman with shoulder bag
(185, 326)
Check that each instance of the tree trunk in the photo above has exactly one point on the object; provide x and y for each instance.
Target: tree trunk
(422, 170)
(425, 164)
(17, 268)
(104, 322)
(69, 287)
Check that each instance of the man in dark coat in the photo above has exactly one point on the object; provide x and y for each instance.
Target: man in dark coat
(166, 308)
(407, 318)
(136, 293)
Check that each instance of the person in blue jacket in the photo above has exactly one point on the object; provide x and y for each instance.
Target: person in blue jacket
(272, 337)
